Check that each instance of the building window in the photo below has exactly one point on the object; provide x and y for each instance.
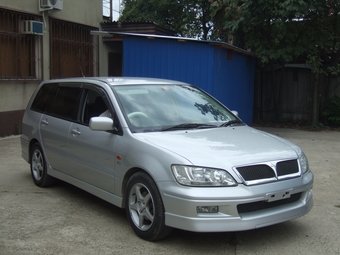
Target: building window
(20, 53)
(72, 50)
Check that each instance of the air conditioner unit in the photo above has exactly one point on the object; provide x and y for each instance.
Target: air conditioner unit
(46, 5)
(32, 27)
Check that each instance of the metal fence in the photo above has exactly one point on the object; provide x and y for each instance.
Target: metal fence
(20, 58)
(72, 50)
(289, 96)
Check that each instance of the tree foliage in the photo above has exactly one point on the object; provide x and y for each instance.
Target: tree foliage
(277, 30)
(332, 112)
(189, 18)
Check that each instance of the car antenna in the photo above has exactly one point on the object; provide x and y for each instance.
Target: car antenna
(81, 70)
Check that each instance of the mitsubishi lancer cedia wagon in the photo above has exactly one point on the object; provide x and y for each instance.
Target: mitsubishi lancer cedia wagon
(167, 152)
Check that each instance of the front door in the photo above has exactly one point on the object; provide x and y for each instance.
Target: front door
(92, 153)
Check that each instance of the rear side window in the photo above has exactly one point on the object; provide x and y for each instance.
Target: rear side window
(66, 103)
(44, 98)
(59, 101)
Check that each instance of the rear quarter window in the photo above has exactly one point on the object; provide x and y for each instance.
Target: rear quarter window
(44, 98)
(59, 101)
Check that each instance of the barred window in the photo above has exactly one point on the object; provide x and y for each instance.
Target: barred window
(72, 50)
(20, 53)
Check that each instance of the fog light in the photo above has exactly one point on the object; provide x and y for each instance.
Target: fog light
(309, 194)
(207, 209)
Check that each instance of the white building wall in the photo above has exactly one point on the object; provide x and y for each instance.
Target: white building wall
(15, 94)
(87, 12)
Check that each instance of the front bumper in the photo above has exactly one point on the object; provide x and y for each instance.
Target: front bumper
(239, 208)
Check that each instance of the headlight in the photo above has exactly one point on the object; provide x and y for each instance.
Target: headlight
(303, 162)
(202, 176)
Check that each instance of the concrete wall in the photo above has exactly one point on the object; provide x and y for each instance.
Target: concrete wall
(15, 94)
(87, 12)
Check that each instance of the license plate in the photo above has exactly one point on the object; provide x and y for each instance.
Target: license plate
(278, 195)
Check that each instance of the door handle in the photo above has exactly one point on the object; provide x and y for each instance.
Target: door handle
(75, 132)
(44, 122)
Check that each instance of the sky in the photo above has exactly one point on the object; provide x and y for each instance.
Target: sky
(115, 11)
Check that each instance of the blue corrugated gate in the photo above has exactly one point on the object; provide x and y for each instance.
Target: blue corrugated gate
(199, 63)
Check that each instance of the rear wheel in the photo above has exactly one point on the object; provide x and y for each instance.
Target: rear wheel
(144, 208)
(39, 168)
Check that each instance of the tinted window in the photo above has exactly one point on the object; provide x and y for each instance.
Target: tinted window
(44, 98)
(94, 106)
(66, 103)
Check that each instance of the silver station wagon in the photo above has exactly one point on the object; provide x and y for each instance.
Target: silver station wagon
(167, 152)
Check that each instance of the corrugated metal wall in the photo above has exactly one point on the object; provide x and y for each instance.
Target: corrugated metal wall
(233, 82)
(197, 63)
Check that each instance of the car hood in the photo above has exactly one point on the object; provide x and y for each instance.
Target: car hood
(223, 147)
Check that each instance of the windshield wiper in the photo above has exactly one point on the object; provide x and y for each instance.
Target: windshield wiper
(231, 123)
(188, 126)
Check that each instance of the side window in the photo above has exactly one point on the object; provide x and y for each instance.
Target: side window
(66, 103)
(44, 98)
(95, 105)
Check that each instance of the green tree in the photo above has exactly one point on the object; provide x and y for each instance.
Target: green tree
(285, 31)
(189, 18)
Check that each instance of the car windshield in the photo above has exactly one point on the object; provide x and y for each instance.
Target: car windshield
(171, 107)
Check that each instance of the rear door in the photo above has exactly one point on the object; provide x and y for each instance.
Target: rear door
(55, 124)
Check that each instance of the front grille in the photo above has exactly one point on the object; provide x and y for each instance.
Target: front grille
(287, 167)
(268, 172)
(256, 172)
(261, 205)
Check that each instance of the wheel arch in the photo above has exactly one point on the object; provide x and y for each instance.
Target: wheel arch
(30, 146)
(126, 178)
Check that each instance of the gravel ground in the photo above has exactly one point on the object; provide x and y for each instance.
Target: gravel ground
(66, 220)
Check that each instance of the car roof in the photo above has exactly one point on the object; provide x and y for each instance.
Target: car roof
(113, 81)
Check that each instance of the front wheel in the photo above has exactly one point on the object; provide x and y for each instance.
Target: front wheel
(39, 168)
(144, 208)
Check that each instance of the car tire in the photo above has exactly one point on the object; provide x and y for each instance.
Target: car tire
(144, 208)
(39, 167)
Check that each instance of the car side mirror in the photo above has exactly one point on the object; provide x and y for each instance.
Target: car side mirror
(235, 113)
(101, 123)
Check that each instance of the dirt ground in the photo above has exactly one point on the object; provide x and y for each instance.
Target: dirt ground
(66, 220)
